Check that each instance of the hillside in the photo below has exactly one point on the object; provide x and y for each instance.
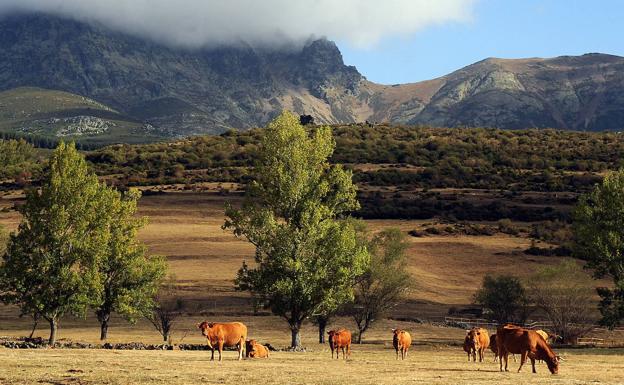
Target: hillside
(186, 92)
(62, 115)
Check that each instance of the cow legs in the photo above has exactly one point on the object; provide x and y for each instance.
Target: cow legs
(503, 357)
(523, 358)
(397, 354)
(533, 364)
(220, 349)
(241, 345)
(212, 356)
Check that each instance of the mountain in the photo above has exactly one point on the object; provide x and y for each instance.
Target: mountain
(569, 92)
(179, 92)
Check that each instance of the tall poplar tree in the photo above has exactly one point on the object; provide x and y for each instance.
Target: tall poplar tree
(307, 256)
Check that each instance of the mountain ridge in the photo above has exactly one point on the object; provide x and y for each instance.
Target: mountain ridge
(189, 92)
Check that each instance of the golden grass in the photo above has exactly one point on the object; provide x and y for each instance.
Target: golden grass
(369, 364)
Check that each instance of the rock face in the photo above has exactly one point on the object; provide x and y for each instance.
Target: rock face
(187, 92)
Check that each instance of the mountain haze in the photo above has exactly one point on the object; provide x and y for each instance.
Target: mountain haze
(184, 92)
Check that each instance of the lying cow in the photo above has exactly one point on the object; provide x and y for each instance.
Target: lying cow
(340, 339)
(224, 334)
(255, 350)
(478, 340)
(527, 343)
(401, 340)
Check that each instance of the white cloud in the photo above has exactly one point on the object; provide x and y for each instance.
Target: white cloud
(193, 23)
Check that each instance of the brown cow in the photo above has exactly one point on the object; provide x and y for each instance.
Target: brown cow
(528, 343)
(340, 339)
(255, 350)
(468, 349)
(401, 340)
(494, 348)
(224, 334)
(478, 341)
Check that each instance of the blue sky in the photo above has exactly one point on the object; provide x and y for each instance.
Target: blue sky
(497, 28)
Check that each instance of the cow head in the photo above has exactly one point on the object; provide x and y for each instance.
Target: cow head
(553, 364)
(250, 348)
(205, 328)
(397, 332)
(333, 337)
(473, 337)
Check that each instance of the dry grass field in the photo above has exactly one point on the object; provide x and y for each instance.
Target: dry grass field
(186, 227)
(368, 365)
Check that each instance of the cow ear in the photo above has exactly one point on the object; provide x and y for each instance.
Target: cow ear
(211, 324)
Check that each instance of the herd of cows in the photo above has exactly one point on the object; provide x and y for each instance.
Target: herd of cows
(532, 344)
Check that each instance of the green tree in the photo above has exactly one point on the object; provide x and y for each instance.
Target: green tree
(504, 297)
(599, 239)
(564, 292)
(50, 267)
(130, 278)
(306, 257)
(4, 237)
(16, 156)
(386, 281)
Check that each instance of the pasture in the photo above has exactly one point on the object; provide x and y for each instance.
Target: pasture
(185, 226)
(370, 364)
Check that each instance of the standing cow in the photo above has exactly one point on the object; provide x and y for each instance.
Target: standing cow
(528, 343)
(401, 340)
(224, 334)
(478, 340)
(340, 340)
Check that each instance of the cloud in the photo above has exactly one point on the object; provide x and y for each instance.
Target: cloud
(195, 23)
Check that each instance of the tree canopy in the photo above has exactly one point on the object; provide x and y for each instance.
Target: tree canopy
(565, 293)
(50, 267)
(307, 254)
(599, 239)
(130, 278)
(384, 283)
(504, 297)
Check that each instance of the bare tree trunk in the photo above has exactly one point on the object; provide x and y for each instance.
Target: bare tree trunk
(295, 331)
(103, 330)
(35, 323)
(322, 325)
(104, 319)
(53, 329)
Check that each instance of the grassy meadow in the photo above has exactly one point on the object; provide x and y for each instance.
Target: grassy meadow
(369, 364)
